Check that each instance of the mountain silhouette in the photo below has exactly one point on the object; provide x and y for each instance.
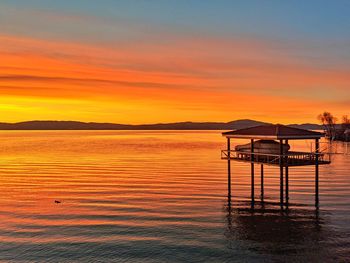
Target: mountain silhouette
(77, 125)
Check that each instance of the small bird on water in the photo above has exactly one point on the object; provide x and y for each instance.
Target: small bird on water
(57, 202)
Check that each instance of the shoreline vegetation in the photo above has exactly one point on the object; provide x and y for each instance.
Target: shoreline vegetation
(76, 125)
(334, 131)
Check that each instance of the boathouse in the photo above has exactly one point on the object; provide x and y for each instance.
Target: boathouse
(269, 146)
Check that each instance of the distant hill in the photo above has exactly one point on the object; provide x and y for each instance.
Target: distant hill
(76, 125)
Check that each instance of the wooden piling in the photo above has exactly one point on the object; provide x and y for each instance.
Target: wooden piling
(252, 170)
(229, 170)
(317, 146)
(287, 178)
(281, 172)
(262, 182)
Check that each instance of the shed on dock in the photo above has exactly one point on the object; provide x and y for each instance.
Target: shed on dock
(271, 136)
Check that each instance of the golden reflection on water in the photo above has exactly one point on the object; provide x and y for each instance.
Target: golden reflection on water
(132, 195)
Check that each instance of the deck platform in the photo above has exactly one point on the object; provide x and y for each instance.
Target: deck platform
(289, 159)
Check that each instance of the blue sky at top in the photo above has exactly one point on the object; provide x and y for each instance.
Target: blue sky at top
(278, 19)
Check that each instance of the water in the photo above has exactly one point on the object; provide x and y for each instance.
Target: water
(159, 196)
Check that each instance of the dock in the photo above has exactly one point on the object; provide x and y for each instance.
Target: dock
(279, 135)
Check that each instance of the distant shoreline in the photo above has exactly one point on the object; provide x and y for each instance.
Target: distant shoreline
(76, 125)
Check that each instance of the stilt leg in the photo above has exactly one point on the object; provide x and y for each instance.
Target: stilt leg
(316, 173)
(281, 186)
(262, 182)
(229, 181)
(252, 172)
(229, 170)
(281, 173)
(287, 186)
(252, 184)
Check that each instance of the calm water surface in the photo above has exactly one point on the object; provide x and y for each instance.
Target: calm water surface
(159, 196)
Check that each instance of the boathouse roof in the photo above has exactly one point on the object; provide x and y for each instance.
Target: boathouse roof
(273, 132)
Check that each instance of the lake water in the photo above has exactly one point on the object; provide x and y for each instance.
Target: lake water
(160, 196)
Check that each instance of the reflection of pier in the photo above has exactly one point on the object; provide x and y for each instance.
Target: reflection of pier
(280, 156)
(276, 233)
(267, 224)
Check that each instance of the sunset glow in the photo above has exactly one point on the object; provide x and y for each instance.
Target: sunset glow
(174, 131)
(126, 65)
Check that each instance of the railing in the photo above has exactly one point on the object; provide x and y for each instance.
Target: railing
(292, 158)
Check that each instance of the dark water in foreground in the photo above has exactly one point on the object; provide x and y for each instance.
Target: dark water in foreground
(159, 196)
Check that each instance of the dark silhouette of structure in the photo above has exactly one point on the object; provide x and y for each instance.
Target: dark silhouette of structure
(282, 158)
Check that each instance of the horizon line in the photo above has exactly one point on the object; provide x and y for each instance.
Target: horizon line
(159, 123)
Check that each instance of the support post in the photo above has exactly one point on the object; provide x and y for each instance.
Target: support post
(252, 170)
(229, 170)
(262, 182)
(317, 146)
(287, 178)
(281, 172)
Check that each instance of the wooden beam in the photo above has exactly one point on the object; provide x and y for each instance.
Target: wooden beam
(281, 172)
(287, 178)
(317, 146)
(262, 182)
(252, 169)
(229, 170)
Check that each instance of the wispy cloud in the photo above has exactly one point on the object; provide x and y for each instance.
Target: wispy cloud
(121, 65)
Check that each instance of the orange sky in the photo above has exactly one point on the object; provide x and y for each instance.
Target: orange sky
(190, 78)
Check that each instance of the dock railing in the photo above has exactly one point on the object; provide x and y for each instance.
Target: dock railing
(291, 158)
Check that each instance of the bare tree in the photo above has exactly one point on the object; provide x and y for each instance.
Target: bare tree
(328, 121)
(346, 119)
(345, 122)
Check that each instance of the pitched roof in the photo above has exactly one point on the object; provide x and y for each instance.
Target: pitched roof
(273, 132)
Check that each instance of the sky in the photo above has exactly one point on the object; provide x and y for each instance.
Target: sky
(137, 61)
